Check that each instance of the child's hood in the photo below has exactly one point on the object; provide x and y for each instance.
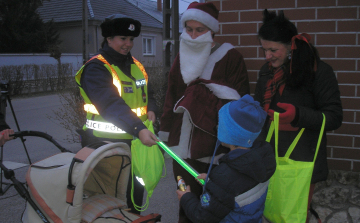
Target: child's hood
(258, 163)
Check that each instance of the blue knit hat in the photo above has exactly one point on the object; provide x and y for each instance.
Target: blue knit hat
(241, 121)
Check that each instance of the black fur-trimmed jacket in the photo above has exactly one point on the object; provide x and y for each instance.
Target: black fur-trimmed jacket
(322, 97)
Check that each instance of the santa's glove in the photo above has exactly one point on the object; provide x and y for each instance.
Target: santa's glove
(286, 117)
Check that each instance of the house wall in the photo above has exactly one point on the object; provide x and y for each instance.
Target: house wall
(153, 60)
(334, 26)
(95, 38)
(71, 35)
(72, 42)
(71, 48)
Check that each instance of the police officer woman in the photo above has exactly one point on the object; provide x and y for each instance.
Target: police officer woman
(115, 89)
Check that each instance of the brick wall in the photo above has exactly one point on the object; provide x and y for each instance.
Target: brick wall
(334, 26)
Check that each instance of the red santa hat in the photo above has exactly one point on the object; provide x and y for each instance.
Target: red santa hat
(206, 13)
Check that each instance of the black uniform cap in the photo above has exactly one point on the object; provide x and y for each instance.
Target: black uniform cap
(120, 25)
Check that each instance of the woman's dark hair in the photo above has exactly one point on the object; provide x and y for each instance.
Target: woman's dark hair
(103, 42)
(303, 61)
(278, 28)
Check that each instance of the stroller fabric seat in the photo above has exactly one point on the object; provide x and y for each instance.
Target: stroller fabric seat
(89, 186)
(104, 206)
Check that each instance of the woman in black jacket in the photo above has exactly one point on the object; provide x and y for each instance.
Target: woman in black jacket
(298, 85)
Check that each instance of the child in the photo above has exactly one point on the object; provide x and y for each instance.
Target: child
(237, 187)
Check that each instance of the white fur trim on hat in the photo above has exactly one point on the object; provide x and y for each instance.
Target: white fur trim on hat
(200, 16)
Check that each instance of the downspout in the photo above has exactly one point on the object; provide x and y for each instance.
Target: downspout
(92, 16)
(85, 31)
(159, 6)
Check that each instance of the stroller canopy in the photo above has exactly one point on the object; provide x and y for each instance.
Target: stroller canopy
(80, 187)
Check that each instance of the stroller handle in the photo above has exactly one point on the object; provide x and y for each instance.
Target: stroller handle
(10, 175)
(39, 134)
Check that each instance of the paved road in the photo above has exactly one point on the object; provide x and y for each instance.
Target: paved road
(37, 114)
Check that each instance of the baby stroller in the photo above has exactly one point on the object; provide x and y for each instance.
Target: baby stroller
(89, 186)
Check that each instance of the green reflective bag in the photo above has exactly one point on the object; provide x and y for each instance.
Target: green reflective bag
(147, 163)
(288, 191)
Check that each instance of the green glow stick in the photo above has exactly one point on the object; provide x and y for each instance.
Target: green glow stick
(182, 162)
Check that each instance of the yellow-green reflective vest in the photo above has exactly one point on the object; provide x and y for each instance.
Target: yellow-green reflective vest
(136, 100)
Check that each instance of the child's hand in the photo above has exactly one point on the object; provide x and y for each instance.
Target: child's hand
(201, 176)
(181, 193)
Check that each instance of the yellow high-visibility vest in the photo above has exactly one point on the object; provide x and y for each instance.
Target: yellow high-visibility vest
(133, 90)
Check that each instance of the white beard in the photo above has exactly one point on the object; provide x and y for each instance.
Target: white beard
(194, 54)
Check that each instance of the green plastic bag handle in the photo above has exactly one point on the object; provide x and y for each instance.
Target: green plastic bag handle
(275, 127)
(182, 162)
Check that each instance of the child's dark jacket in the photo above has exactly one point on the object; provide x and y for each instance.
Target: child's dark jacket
(237, 188)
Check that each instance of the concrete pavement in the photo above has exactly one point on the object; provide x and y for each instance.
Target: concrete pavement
(37, 114)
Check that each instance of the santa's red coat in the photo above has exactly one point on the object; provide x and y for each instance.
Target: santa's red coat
(190, 114)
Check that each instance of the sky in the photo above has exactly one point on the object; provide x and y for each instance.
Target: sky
(183, 4)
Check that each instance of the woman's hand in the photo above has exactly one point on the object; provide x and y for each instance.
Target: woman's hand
(151, 116)
(181, 193)
(147, 138)
(4, 136)
(286, 117)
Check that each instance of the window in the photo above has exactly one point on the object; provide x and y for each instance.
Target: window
(148, 45)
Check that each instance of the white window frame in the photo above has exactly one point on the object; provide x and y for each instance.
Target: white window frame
(147, 38)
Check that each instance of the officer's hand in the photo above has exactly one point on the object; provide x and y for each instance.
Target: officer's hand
(5, 136)
(147, 138)
(151, 116)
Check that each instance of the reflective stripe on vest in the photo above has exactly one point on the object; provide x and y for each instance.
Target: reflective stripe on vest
(116, 80)
(92, 109)
(103, 126)
(142, 68)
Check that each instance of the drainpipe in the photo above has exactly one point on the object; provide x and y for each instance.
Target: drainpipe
(85, 31)
(159, 6)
